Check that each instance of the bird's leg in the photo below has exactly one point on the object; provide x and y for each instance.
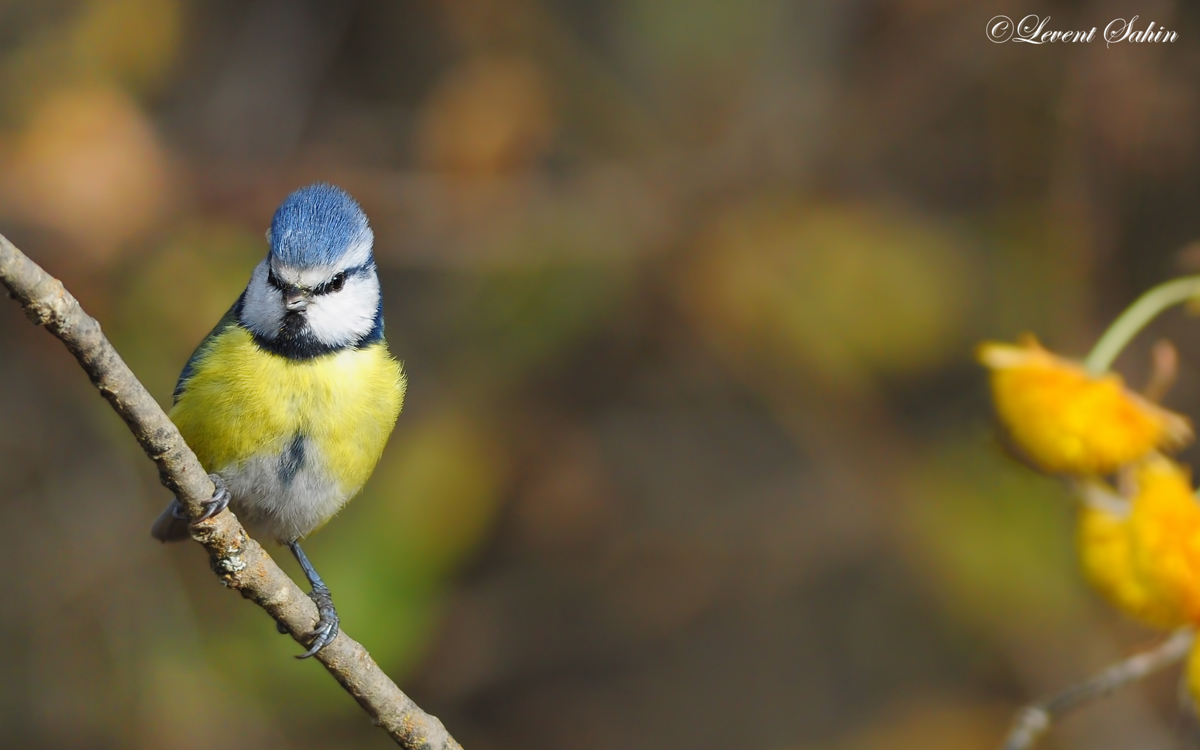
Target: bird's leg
(214, 505)
(327, 623)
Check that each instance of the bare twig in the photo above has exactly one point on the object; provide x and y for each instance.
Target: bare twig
(1033, 721)
(239, 561)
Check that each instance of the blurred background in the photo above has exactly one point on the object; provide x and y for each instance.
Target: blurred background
(695, 454)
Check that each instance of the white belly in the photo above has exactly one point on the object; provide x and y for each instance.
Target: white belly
(284, 496)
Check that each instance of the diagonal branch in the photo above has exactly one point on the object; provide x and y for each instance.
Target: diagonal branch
(1033, 721)
(239, 561)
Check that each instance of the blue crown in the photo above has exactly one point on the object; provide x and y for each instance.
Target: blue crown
(315, 225)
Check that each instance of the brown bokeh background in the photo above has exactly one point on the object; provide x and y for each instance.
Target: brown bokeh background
(695, 454)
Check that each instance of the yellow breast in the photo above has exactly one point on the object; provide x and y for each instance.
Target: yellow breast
(242, 402)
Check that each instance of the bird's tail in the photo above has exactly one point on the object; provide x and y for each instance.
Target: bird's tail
(169, 527)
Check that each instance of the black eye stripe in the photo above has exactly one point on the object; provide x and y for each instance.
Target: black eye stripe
(333, 285)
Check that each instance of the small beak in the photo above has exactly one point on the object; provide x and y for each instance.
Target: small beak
(296, 300)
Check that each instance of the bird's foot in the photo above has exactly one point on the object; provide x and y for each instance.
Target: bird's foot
(218, 502)
(327, 622)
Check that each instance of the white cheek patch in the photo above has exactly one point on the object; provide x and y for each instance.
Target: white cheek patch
(345, 316)
(334, 319)
(262, 307)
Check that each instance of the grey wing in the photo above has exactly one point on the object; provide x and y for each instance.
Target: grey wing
(229, 319)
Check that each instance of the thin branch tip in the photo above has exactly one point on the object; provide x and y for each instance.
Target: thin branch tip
(1033, 721)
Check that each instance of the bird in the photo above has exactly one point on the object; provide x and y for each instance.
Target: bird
(289, 401)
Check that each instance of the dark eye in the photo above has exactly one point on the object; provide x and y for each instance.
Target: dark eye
(334, 284)
(273, 280)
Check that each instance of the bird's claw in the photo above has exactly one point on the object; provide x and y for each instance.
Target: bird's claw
(218, 502)
(212, 506)
(327, 622)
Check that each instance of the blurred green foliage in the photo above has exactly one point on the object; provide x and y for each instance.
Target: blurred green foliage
(992, 539)
(843, 290)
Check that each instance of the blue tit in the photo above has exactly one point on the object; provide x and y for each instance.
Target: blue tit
(291, 398)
